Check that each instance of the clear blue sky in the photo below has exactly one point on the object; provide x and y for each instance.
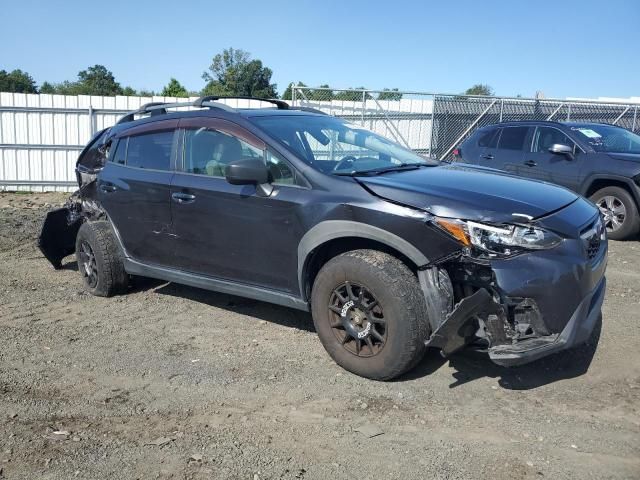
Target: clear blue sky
(564, 48)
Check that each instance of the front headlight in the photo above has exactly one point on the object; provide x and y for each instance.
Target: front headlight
(498, 240)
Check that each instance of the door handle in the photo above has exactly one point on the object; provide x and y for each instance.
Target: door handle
(108, 187)
(180, 197)
(530, 163)
(488, 156)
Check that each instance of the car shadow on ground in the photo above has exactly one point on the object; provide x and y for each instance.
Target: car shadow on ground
(71, 265)
(287, 317)
(471, 365)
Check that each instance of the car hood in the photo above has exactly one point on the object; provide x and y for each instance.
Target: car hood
(470, 192)
(630, 157)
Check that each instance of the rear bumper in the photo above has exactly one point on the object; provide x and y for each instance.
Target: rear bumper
(58, 235)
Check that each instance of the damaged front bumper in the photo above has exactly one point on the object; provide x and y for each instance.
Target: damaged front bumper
(522, 308)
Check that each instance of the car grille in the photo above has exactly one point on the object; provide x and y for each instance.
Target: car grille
(592, 237)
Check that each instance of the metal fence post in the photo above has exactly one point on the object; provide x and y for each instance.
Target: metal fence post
(501, 108)
(293, 94)
(635, 116)
(433, 121)
(364, 104)
(91, 126)
(568, 112)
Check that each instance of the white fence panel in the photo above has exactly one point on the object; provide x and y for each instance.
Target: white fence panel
(42, 135)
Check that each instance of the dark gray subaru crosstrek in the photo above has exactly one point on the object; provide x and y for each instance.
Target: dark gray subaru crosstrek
(391, 252)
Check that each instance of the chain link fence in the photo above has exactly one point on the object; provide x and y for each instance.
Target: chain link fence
(434, 124)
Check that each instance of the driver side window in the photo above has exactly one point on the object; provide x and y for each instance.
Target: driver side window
(208, 151)
(281, 172)
(545, 137)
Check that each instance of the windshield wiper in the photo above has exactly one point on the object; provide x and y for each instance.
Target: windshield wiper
(378, 171)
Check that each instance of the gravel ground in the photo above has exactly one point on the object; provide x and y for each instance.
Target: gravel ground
(175, 382)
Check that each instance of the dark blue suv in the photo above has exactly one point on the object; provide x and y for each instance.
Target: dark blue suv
(599, 161)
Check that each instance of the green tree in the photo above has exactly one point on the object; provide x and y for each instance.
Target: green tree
(17, 81)
(353, 95)
(47, 88)
(479, 89)
(232, 72)
(387, 94)
(174, 89)
(322, 93)
(146, 93)
(288, 93)
(129, 92)
(95, 80)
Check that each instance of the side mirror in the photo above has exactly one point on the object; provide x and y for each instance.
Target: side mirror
(249, 172)
(560, 149)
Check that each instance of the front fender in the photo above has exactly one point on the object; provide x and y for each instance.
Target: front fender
(333, 229)
(632, 187)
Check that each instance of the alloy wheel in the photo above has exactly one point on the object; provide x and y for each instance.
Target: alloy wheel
(614, 212)
(88, 267)
(357, 319)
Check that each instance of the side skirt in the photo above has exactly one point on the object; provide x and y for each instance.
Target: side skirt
(134, 267)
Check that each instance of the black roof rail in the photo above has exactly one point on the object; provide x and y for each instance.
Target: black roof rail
(309, 109)
(282, 105)
(160, 108)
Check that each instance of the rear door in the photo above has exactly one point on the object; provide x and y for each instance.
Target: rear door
(541, 164)
(511, 148)
(229, 231)
(135, 190)
(483, 152)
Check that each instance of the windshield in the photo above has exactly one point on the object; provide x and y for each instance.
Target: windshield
(607, 138)
(332, 145)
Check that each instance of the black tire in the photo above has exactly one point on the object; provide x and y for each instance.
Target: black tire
(400, 303)
(97, 252)
(630, 226)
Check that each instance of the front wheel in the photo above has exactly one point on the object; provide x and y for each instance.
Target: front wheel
(619, 211)
(370, 314)
(99, 260)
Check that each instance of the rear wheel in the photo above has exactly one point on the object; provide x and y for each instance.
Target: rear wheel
(99, 260)
(619, 211)
(370, 314)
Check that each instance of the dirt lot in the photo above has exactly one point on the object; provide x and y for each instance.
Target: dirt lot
(176, 382)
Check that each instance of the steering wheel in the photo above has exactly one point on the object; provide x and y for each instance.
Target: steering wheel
(345, 162)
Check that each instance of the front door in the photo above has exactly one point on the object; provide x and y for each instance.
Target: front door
(134, 188)
(541, 164)
(229, 231)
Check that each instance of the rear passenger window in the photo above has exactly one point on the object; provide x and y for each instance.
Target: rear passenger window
(150, 150)
(489, 139)
(513, 138)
